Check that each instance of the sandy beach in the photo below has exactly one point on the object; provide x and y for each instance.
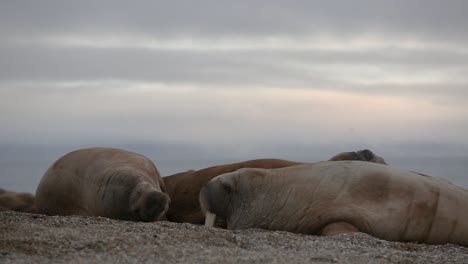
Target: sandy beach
(31, 238)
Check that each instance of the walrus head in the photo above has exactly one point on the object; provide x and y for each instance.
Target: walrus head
(363, 155)
(148, 204)
(347, 156)
(370, 156)
(215, 201)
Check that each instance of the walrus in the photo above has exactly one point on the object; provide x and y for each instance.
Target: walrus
(328, 198)
(106, 182)
(363, 155)
(19, 202)
(183, 188)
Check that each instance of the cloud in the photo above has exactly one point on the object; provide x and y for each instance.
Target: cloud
(148, 112)
(223, 71)
(378, 47)
(357, 42)
(366, 65)
(419, 17)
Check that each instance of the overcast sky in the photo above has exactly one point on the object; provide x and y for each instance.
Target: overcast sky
(237, 74)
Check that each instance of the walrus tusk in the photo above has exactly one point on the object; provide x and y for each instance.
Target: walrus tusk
(210, 219)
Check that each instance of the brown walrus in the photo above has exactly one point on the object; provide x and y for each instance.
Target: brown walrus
(184, 187)
(338, 197)
(19, 202)
(107, 182)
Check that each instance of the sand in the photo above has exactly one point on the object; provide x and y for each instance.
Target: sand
(32, 238)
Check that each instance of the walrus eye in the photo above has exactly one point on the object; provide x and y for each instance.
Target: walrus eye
(227, 188)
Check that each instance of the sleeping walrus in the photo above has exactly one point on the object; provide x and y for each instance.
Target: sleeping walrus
(338, 197)
(107, 182)
(184, 187)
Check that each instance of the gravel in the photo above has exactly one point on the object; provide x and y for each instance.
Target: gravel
(33, 238)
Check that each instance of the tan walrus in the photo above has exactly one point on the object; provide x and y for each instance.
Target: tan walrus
(338, 197)
(184, 187)
(107, 182)
(19, 202)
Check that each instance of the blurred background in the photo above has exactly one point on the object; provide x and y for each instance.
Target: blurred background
(192, 84)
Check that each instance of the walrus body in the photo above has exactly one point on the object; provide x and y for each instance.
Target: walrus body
(341, 196)
(19, 202)
(105, 182)
(184, 188)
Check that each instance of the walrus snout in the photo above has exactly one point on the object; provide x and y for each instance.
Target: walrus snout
(210, 218)
(152, 206)
(205, 207)
(214, 201)
(148, 203)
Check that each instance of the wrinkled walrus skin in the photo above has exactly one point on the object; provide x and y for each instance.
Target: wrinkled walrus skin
(339, 197)
(183, 188)
(106, 182)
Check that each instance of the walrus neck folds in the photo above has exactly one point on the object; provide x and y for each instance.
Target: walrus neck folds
(147, 203)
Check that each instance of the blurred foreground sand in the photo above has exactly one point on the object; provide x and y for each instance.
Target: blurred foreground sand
(29, 238)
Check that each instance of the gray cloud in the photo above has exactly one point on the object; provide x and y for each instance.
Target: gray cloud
(396, 70)
(364, 72)
(300, 80)
(418, 17)
(93, 112)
